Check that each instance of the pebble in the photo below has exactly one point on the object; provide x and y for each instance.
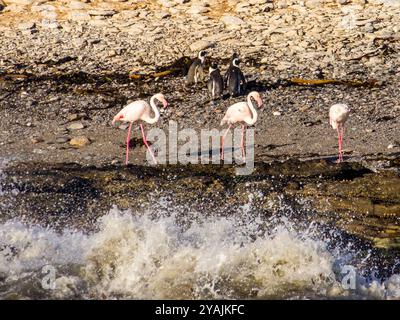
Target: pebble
(38, 151)
(72, 117)
(79, 142)
(76, 126)
(162, 14)
(276, 113)
(123, 126)
(62, 140)
(197, 9)
(27, 26)
(35, 140)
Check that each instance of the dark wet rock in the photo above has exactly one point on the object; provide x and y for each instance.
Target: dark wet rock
(349, 196)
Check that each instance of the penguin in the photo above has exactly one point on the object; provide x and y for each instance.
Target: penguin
(215, 83)
(234, 56)
(195, 73)
(235, 79)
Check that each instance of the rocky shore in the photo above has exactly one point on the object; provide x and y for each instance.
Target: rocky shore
(64, 69)
(354, 198)
(67, 67)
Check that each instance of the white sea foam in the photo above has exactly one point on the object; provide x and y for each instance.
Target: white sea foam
(134, 256)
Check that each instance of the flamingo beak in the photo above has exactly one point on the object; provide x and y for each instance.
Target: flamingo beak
(260, 102)
(116, 118)
(165, 103)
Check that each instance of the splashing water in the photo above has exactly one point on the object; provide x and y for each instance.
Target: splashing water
(137, 257)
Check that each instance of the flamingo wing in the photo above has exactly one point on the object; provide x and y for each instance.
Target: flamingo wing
(133, 111)
(237, 112)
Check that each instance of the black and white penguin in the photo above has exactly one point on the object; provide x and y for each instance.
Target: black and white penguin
(195, 73)
(215, 83)
(234, 56)
(235, 79)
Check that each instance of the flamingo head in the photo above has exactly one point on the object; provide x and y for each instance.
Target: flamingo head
(118, 117)
(160, 97)
(257, 97)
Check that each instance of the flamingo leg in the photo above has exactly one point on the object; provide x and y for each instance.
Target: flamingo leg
(339, 143)
(147, 145)
(341, 140)
(128, 139)
(223, 142)
(242, 143)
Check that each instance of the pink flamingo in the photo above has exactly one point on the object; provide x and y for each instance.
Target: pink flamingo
(140, 110)
(241, 112)
(338, 115)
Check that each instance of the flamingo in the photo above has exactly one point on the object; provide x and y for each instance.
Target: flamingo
(338, 115)
(241, 112)
(140, 110)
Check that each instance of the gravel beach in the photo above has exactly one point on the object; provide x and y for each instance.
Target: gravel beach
(65, 66)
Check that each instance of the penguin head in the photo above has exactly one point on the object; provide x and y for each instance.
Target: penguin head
(235, 55)
(202, 54)
(235, 62)
(213, 67)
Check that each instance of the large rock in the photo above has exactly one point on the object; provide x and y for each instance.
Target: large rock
(391, 3)
(77, 5)
(78, 15)
(197, 9)
(27, 25)
(201, 45)
(21, 2)
(388, 3)
(232, 22)
(102, 12)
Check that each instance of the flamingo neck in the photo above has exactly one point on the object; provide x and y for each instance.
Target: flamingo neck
(253, 111)
(155, 110)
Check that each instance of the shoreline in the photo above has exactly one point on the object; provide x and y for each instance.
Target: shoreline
(70, 61)
(319, 190)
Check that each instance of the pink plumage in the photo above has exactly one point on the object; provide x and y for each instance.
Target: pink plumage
(338, 115)
(241, 112)
(140, 111)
